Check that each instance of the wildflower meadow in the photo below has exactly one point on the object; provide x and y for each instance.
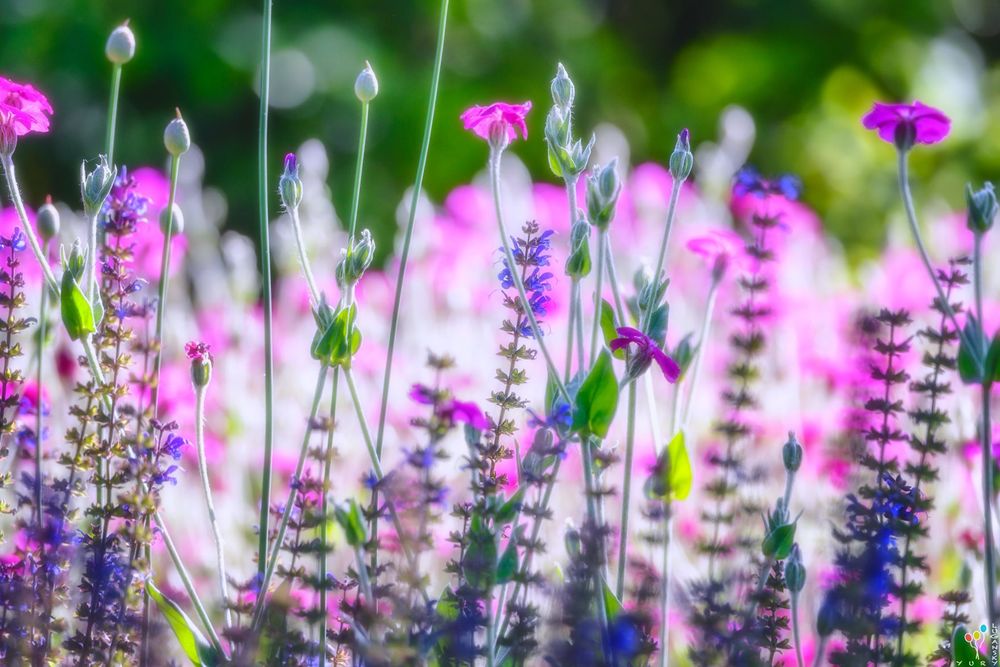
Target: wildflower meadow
(614, 414)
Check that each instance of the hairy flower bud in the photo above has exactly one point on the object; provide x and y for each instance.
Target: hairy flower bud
(76, 262)
(8, 139)
(48, 220)
(96, 185)
(366, 85)
(982, 205)
(176, 136)
(356, 260)
(562, 89)
(578, 262)
(603, 188)
(791, 453)
(681, 160)
(176, 223)
(290, 185)
(795, 571)
(557, 128)
(120, 47)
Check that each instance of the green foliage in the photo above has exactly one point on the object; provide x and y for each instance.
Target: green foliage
(597, 399)
(192, 642)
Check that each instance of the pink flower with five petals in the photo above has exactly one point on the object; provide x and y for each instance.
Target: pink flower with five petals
(499, 121)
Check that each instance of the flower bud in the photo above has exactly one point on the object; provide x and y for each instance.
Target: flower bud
(176, 136)
(356, 260)
(176, 223)
(76, 262)
(557, 128)
(578, 262)
(982, 206)
(828, 616)
(290, 185)
(8, 139)
(681, 160)
(791, 453)
(96, 185)
(603, 188)
(201, 363)
(48, 220)
(120, 47)
(366, 85)
(562, 89)
(795, 571)
(573, 541)
(651, 294)
(683, 354)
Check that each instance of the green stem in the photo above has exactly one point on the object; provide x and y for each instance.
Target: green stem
(588, 476)
(265, 270)
(356, 197)
(161, 302)
(665, 588)
(675, 193)
(323, 532)
(494, 167)
(574, 286)
(300, 245)
(206, 487)
(706, 324)
(42, 309)
(29, 230)
(795, 630)
(408, 234)
(820, 652)
(986, 439)
(598, 288)
(626, 490)
(109, 140)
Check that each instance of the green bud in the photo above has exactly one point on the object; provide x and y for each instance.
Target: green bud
(356, 259)
(176, 137)
(366, 85)
(573, 541)
(791, 453)
(578, 262)
(176, 223)
(795, 571)
(120, 47)
(683, 354)
(201, 363)
(562, 89)
(603, 188)
(96, 185)
(982, 206)
(74, 307)
(828, 616)
(290, 185)
(681, 160)
(48, 220)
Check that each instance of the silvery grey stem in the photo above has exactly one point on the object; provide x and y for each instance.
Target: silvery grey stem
(29, 231)
(293, 215)
(706, 325)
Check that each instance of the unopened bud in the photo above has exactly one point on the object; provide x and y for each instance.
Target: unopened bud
(795, 571)
(120, 47)
(290, 185)
(603, 188)
(176, 136)
(982, 205)
(791, 454)
(573, 541)
(356, 259)
(681, 160)
(366, 85)
(48, 220)
(562, 88)
(201, 363)
(578, 262)
(174, 219)
(96, 185)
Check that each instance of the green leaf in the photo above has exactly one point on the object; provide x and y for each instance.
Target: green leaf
(506, 512)
(341, 339)
(351, 521)
(778, 543)
(554, 162)
(192, 642)
(507, 567)
(609, 327)
(597, 399)
(992, 370)
(447, 605)
(970, 359)
(77, 315)
(658, 324)
(480, 561)
(611, 602)
(674, 475)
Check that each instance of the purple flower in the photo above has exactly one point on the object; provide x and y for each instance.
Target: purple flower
(468, 413)
(124, 209)
(499, 121)
(648, 351)
(449, 409)
(906, 124)
(748, 181)
(15, 241)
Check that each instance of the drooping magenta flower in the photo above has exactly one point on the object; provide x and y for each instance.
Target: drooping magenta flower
(647, 352)
(497, 123)
(718, 247)
(449, 409)
(906, 124)
(22, 108)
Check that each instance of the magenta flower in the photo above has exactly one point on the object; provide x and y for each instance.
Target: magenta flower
(906, 124)
(648, 351)
(196, 351)
(499, 121)
(449, 409)
(718, 247)
(22, 108)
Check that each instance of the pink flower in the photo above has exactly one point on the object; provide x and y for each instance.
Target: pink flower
(198, 351)
(449, 409)
(22, 108)
(648, 352)
(904, 124)
(718, 247)
(499, 121)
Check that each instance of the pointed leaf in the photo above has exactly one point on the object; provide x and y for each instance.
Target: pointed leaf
(507, 567)
(609, 327)
(970, 359)
(506, 512)
(658, 324)
(192, 642)
(597, 399)
(778, 543)
(77, 315)
(612, 604)
(993, 360)
(674, 475)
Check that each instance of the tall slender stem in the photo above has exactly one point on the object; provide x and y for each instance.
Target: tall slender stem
(408, 234)
(699, 355)
(494, 167)
(323, 532)
(665, 586)
(588, 476)
(356, 197)
(42, 323)
(161, 299)
(598, 289)
(206, 487)
(109, 139)
(29, 231)
(265, 272)
(626, 490)
(675, 193)
(300, 245)
(795, 630)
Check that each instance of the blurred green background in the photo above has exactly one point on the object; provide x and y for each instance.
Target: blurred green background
(805, 69)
